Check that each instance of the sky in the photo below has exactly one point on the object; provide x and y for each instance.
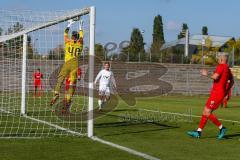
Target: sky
(117, 18)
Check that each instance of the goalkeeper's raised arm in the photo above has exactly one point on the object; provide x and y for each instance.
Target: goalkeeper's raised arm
(76, 36)
(81, 33)
(70, 23)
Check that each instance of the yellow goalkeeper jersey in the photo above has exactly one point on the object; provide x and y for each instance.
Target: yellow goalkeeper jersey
(73, 49)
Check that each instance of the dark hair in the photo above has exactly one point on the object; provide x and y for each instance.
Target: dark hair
(75, 34)
(107, 63)
(38, 69)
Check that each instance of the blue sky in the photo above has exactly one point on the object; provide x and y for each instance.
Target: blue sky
(117, 18)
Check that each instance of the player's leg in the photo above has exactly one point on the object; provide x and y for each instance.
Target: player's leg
(35, 90)
(60, 78)
(214, 120)
(39, 89)
(211, 105)
(71, 89)
(73, 66)
(100, 99)
(202, 123)
(222, 129)
(106, 96)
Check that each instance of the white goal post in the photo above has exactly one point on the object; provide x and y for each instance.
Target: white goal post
(91, 71)
(45, 114)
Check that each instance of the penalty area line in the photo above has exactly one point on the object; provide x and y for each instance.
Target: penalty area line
(129, 150)
(188, 115)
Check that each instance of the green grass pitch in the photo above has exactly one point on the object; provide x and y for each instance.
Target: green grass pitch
(159, 134)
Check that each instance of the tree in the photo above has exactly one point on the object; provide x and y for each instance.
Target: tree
(15, 45)
(136, 46)
(1, 31)
(123, 56)
(237, 51)
(204, 30)
(209, 52)
(158, 35)
(30, 54)
(182, 33)
(100, 51)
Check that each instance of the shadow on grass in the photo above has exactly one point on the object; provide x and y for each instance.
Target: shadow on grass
(131, 127)
(138, 128)
(226, 137)
(231, 136)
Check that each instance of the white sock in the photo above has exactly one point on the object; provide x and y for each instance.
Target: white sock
(100, 103)
(199, 129)
(220, 127)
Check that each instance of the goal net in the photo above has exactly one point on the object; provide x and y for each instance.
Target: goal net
(32, 51)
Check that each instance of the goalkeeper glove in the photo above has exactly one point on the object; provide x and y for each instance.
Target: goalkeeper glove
(81, 25)
(70, 22)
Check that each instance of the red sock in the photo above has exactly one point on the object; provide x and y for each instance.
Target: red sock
(214, 120)
(203, 121)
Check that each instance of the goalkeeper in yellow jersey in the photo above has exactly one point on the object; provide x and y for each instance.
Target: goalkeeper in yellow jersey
(73, 49)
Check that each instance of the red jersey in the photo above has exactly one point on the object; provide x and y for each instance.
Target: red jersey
(38, 76)
(219, 85)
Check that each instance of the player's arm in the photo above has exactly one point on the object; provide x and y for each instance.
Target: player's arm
(81, 33)
(205, 73)
(70, 23)
(98, 77)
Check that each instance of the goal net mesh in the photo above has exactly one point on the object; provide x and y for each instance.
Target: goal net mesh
(45, 51)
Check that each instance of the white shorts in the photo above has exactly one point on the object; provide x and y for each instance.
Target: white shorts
(104, 90)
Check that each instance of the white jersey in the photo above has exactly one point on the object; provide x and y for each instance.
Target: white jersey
(105, 78)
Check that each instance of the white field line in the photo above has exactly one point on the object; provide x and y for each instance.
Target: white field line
(2, 110)
(47, 123)
(55, 126)
(20, 138)
(129, 150)
(188, 115)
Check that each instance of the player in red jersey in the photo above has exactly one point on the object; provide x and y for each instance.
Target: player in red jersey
(220, 77)
(67, 82)
(229, 88)
(37, 76)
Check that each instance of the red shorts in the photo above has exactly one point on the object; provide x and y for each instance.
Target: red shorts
(214, 101)
(37, 83)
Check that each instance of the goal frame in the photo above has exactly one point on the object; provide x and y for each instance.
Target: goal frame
(92, 16)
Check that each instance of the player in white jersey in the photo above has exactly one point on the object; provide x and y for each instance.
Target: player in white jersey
(106, 79)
